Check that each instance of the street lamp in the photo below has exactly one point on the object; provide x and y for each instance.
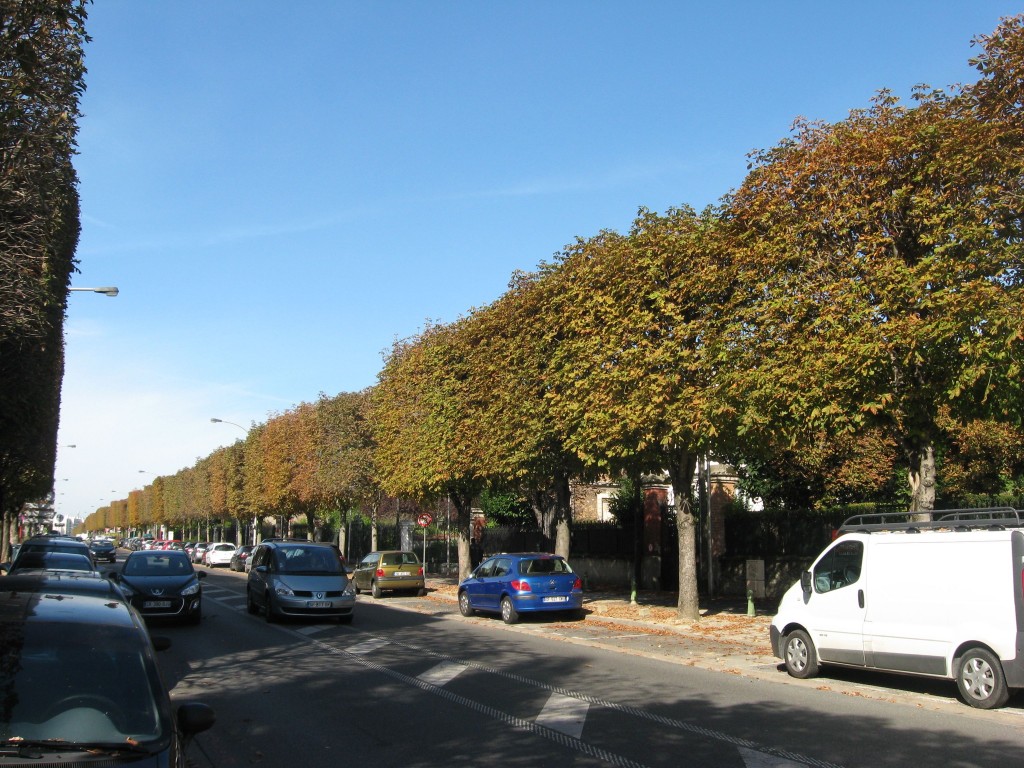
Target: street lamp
(221, 421)
(107, 290)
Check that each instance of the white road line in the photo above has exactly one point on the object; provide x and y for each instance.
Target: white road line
(367, 646)
(564, 714)
(443, 673)
(310, 629)
(754, 759)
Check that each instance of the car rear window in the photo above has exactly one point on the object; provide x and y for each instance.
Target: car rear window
(543, 565)
(399, 558)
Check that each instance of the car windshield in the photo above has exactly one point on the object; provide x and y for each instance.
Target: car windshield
(543, 565)
(90, 685)
(157, 563)
(306, 560)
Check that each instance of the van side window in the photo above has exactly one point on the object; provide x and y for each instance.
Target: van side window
(840, 567)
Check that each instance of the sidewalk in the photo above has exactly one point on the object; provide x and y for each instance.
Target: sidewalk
(725, 638)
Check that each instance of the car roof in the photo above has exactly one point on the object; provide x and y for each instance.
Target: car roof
(41, 593)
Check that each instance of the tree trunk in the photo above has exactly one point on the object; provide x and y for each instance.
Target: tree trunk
(463, 530)
(682, 465)
(922, 481)
(563, 517)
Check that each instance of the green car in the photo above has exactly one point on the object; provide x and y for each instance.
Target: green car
(389, 570)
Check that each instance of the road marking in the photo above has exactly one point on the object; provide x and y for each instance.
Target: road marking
(443, 673)
(367, 646)
(310, 629)
(565, 714)
(754, 759)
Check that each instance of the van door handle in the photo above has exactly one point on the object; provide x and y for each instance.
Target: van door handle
(860, 597)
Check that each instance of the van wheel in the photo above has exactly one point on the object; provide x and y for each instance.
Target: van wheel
(799, 654)
(980, 679)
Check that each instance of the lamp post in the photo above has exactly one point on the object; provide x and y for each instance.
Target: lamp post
(106, 290)
(222, 421)
(255, 523)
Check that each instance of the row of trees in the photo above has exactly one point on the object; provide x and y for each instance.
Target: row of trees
(859, 294)
(41, 81)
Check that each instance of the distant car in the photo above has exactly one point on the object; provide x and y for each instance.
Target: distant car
(49, 544)
(103, 549)
(198, 551)
(81, 684)
(239, 557)
(162, 584)
(525, 582)
(219, 554)
(298, 579)
(389, 570)
(54, 561)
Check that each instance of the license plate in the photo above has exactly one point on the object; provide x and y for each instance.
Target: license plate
(319, 604)
(402, 573)
(156, 604)
(559, 599)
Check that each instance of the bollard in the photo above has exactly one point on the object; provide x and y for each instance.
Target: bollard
(750, 603)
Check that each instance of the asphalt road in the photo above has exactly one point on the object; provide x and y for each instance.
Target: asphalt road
(426, 687)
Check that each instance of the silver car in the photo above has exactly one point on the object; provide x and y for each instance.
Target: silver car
(301, 579)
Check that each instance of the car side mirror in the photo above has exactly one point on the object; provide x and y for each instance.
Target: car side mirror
(805, 582)
(160, 642)
(114, 576)
(195, 717)
(201, 574)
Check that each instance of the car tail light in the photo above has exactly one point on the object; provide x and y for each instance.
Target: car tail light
(578, 584)
(520, 585)
(380, 573)
(420, 571)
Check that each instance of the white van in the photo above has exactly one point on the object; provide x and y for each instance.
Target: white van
(943, 598)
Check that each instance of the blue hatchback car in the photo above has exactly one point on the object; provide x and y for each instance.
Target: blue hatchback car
(523, 582)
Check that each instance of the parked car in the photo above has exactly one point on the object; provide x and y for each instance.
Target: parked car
(49, 544)
(298, 579)
(199, 551)
(219, 554)
(239, 557)
(524, 582)
(103, 549)
(162, 584)
(389, 570)
(81, 684)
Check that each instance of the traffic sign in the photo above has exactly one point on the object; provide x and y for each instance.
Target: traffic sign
(425, 519)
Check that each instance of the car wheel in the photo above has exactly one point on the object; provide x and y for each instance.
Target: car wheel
(464, 605)
(799, 654)
(980, 679)
(269, 610)
(250, 604)
(509, 614)
(375, 590)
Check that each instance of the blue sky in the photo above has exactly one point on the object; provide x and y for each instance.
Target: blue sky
(282, 190)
